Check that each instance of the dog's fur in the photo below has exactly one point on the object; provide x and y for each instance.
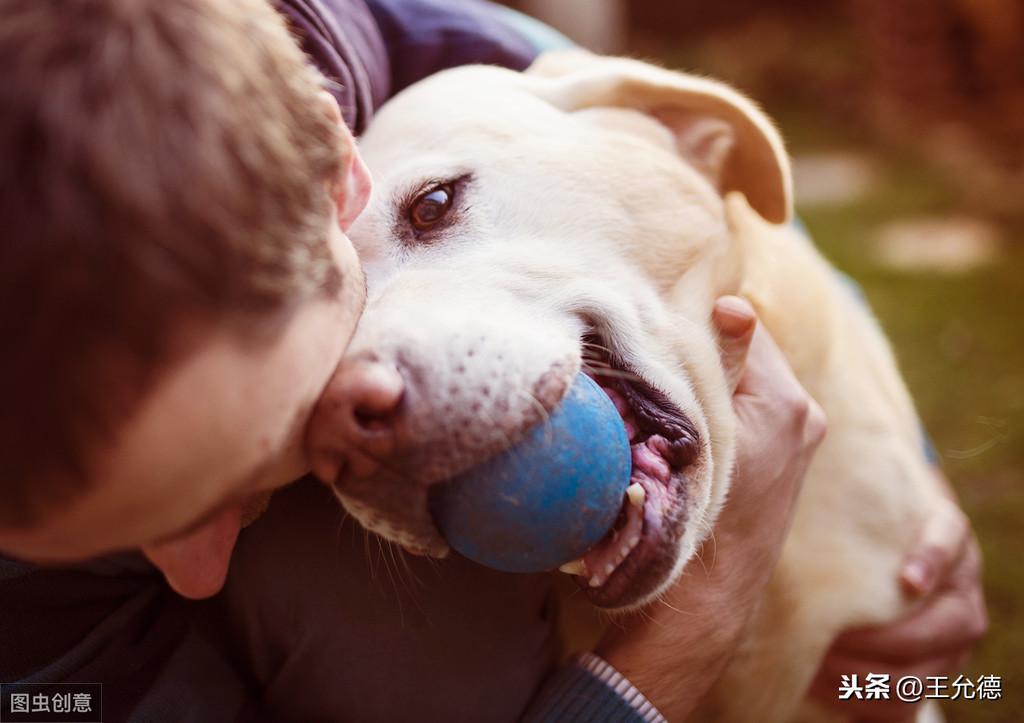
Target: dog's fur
(611, 193)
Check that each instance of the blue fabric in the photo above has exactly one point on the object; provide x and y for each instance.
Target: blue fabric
(575, 695)
(542, 37)
(425, 36)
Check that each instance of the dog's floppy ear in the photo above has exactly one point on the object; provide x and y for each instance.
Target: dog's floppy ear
(723, 134)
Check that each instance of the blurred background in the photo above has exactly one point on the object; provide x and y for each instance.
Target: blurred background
(905, 119)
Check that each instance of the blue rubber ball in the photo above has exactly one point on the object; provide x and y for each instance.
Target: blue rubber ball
(547, 499)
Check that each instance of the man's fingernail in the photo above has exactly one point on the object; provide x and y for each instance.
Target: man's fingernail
(733, 316)
(917, 576)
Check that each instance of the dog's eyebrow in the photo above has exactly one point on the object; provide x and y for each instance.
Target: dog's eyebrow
(403, 197)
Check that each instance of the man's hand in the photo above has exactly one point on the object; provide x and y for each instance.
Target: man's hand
(676, 649)
(944, 572)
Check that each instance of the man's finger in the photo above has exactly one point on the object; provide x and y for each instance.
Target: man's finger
(939, 547)
(735, 320)
(950, 624)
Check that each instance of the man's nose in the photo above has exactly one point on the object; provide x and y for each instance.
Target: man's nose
(357, 418)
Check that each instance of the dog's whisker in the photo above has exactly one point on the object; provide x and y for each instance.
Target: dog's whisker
(649, 617)
(407, 566)
(544, 414)
(369, 556)
(615, 620)
(714, 552)
(380, 550)
(398, 558)
(338, 542)
(607, 371)
(381, 543)
(663, 601)
(592, 345)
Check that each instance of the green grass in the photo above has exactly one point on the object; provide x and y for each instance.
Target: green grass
(960, 343)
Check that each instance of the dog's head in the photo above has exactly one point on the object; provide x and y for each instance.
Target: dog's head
(525, 227)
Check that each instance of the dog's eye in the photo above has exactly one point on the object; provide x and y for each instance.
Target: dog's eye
(431, 206)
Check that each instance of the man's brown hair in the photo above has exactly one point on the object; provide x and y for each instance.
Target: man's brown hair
(161, 161)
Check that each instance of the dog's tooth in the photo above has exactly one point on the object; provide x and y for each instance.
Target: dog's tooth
(596, 581)
(624, 552)
(637, 494)
(609, 568)
(575, 567)
(634, 541)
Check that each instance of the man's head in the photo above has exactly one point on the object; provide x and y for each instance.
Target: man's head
(176, 283)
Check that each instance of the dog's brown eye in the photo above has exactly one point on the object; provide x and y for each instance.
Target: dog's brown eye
(431, 206)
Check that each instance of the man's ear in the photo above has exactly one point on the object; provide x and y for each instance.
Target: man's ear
(351, 191)
(720, 132)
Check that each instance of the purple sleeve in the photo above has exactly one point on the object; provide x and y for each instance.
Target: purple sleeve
(371, 49)
(342, 39)
(425, 36)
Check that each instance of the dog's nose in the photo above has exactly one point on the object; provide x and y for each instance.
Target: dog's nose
(355, 422)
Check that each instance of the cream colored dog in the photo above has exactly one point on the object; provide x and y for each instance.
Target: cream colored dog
(586, 214)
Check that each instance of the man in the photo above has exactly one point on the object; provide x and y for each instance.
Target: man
(178, 289)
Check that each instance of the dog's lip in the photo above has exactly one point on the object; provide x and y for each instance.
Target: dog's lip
(651, 560)
(664, 445)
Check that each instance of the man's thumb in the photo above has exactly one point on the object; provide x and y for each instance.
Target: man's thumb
(939, 546)
(735, 320)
